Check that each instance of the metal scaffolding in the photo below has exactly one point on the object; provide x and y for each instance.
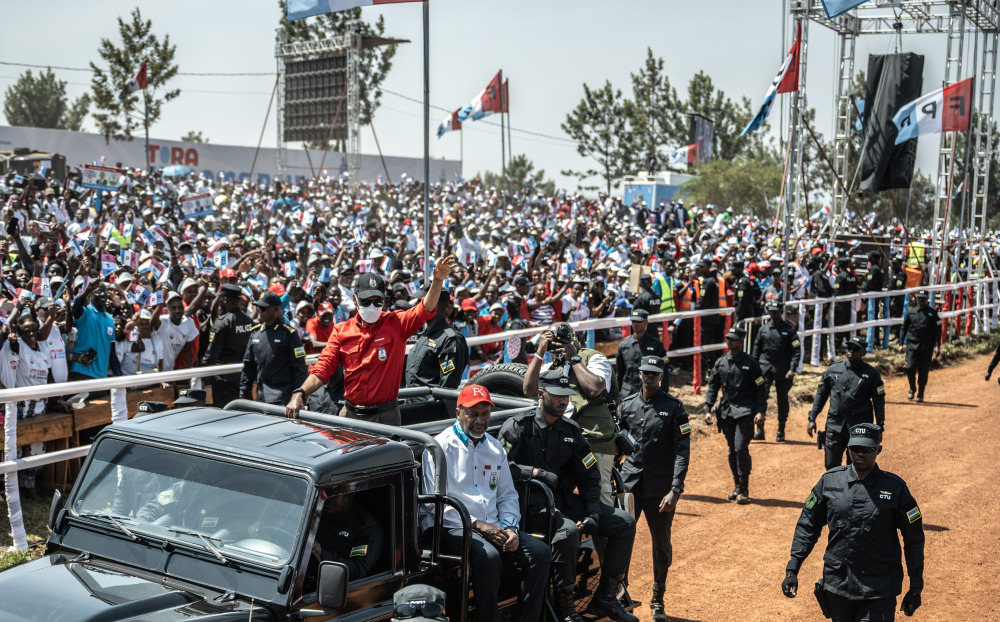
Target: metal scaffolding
(954, 18)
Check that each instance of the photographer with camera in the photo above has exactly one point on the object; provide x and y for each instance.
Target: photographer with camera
(659, 424)
(595, 391)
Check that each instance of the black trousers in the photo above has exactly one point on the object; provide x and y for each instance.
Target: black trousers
(616, 525)
(530, 561)
(782, 386)
(847, 610)
(835, 446)
(738, 433)
(918, 364)
(659, 524)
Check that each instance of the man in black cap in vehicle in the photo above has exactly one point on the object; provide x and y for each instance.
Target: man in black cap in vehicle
(922, 334)
(633, 350)
(275, 359)
(545, 445)
(778, 351)
(655, 473)
(856, 394)
(864, 507)
(743, 404)
(227, 343)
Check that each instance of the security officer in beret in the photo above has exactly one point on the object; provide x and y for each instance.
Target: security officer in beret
(350, 535)
(743, 404)
(655, 474)
(856, 394)
(275, 359)
(227, 343)
(440, 356)
(543, 444)
(778, 351)
(922, 334)
(864, 507)
(633, 350)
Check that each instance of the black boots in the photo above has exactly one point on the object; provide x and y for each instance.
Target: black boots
(605, 602)
(743, 491)
(781, 432)
(565, 607)
(656, 604)
(758, 435)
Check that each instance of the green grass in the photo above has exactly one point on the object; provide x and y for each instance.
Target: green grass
(36, 517)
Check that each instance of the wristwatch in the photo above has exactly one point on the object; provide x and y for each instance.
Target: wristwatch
(573, 360)
(299, 390)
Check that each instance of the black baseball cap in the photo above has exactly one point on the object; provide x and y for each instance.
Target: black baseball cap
(230, 290)
(859, 343)
(191, 396)
(370, 284)
(652, 364)
(775, 305)
(923, 294)
(268, 299)
(865, 435)
(425, 599)
(555, 383)
(149, 408)
(639, 315)
(736, 334)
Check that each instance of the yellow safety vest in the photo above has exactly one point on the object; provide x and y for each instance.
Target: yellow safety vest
(915, 256)
(666, 295)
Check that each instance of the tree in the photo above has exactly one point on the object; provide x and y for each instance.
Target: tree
(194, 137)
(520, 171)
(741, 183)
(652, 111)
(375, 62)
(602, 132)
(41, 102)
(120, 117)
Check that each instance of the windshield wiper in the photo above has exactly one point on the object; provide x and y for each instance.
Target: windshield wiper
(114, 518)
(206, 539)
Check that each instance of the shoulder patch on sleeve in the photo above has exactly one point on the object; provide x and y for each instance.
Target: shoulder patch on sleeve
(359, 551)
(447, 366)
(880, 390)
(290, 328)
(811, 501)
(685, 428)
(913, 515)
(211, 336)
(759, 381)
(796, 343)
(300, 352)
(589, 460)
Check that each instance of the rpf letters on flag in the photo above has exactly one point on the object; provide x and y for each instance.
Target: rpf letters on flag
(948, 109)
(485, 103)
(299, 9)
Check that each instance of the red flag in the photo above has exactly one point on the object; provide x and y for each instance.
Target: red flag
(140, 77)
(790, 81)
(504, 100)
(956, 104)
(491, 95)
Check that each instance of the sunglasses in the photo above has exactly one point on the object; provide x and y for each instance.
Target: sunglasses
(371, 303)
(862, 450)
(411, 610)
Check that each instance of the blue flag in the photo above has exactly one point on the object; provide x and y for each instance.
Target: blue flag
(834, 8)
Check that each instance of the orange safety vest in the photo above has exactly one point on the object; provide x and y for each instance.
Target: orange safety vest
(721, 292)
(685, 303)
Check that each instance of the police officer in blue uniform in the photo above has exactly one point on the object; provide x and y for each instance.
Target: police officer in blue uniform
(655, 474)
(863, 507)
(778, 350)
(275, 359)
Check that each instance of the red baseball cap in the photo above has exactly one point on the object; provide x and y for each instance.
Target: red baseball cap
(325, 307)
(228, 273)
(469, 305)
(277, 288)
(474, 394)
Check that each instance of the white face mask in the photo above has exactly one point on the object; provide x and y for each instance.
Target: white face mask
(370, 314)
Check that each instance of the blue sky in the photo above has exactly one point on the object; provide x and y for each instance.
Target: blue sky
(547, 49)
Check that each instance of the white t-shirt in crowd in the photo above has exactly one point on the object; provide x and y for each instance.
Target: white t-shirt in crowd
(174, 337)
(55, 349)
(26, 368)
(144, 361)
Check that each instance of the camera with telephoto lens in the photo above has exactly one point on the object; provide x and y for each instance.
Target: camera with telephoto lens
(562, 335)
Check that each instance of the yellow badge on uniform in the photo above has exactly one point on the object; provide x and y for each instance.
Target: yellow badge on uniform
(913, 515)
(796, 343)
(211, 336)
(589, 460)
(300, 352)
(685, 428)
(880, 390)
(447, 366)
(359, 551)
(759, 381)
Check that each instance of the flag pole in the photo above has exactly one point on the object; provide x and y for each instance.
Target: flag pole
(503, 155)
(788, 196)
(427, 146)
(145, 123)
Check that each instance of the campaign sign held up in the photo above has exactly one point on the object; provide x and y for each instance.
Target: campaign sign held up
(100, 177)
(197, 205)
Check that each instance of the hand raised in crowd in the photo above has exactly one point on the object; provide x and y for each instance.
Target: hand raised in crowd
(443, 267)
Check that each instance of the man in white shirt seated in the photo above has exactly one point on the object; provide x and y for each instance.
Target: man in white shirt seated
(479, 476)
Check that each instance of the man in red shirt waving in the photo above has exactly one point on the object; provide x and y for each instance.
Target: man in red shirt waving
(371, 347)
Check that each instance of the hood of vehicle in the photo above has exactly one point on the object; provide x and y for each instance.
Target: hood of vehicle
(57, 590)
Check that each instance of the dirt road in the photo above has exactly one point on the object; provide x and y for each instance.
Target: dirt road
(729, 560)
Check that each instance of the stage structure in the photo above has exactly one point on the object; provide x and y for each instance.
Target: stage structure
(954, 18)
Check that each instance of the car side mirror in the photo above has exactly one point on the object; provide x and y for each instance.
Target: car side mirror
(54, 509)
(332, 585)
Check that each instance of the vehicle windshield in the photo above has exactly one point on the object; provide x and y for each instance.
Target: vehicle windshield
(227, 509)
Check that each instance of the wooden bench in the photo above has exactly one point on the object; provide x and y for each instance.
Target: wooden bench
(56, 430)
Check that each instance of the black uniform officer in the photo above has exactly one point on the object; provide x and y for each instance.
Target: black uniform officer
(227, 343)
(708, 298)
(633, 350)
(350, 535)
(275, 359)
(747, 293)
(440, 355)
(778, 351)
(743, 404)
(864, 507)
(655, 474)
(922, 333)
(845, 284)
(874, 282)
(647, 299)
(856, 393)
(897, 281)
(542, 444)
